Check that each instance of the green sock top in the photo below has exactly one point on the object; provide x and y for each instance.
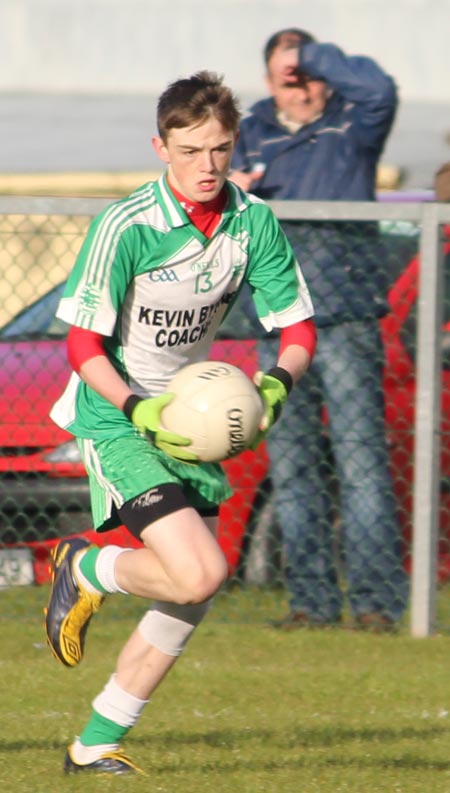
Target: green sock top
(87, 566)
(100, 730)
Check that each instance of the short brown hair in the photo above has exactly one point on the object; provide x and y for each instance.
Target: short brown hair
(289, 37)
(192, 100)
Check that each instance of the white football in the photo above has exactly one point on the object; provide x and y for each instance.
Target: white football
(217, 406)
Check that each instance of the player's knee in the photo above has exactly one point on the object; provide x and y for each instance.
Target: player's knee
(196, 591)
(202, 583)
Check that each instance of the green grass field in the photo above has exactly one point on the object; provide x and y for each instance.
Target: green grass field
(247, 709)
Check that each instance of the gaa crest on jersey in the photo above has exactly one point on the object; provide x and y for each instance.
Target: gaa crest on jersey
(166, 275)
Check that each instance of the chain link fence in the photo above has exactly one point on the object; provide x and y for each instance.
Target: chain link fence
(43, 486)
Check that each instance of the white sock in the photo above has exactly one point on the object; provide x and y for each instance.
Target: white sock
(117, 705)
(104, 567)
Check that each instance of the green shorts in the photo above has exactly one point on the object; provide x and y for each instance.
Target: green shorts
(120, 469)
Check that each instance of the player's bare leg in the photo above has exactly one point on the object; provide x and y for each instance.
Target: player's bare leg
(181, 562)
(160, 638)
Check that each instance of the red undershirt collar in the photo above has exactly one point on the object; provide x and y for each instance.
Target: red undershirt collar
(205, 215)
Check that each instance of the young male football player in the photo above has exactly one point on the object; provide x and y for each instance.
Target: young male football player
(151, 285)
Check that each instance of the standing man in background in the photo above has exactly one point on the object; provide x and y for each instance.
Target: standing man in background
(319, 136)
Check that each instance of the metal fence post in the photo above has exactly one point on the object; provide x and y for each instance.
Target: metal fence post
(427, 428)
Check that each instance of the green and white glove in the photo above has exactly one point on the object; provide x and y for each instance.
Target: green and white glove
(145, 415)
(274, 387)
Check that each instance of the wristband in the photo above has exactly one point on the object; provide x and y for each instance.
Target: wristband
(130, 404)
(283, 376)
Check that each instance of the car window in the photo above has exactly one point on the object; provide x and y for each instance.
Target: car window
(38, 319)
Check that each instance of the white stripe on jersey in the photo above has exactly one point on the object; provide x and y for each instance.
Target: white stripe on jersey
(106, 238)
(175, 217)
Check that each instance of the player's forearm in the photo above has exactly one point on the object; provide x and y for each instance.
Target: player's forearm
(99, 374)
(297, 347)
(295, 360)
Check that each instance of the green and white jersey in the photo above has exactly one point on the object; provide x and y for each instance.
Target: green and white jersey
(158, 289)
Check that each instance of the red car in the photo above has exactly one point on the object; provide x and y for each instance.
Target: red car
(399, 332)
(43, 487)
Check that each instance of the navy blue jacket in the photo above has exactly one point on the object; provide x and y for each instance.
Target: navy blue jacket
(333, 158)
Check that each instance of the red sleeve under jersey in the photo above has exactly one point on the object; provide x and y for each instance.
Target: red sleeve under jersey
(302, 334)
(82, 345)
